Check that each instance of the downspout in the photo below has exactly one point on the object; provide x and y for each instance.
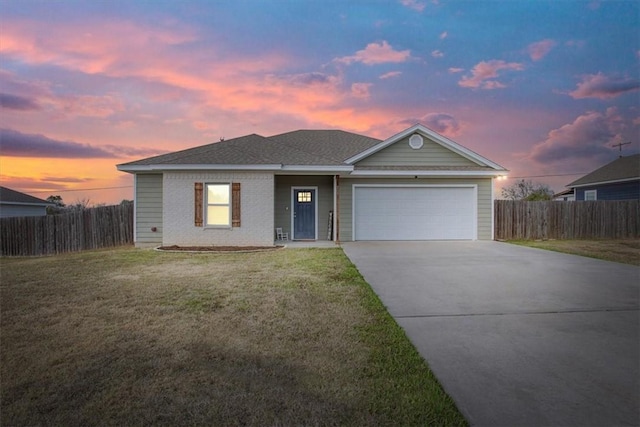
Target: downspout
(337, 218)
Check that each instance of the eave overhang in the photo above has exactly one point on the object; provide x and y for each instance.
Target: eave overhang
(210, 167)
(613, 181)
(429, 173)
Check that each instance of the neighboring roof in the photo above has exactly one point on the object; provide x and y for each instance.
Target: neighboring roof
(568, 192)
(622, 169)
(9, 196)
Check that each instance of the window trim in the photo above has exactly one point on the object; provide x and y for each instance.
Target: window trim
(594, 192)
(229, 205)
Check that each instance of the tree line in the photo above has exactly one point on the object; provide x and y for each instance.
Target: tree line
(60, 207)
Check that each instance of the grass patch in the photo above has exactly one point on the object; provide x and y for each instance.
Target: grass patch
(623, 251)
(130, 337)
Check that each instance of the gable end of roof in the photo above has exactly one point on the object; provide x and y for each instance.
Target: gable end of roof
(435, 137)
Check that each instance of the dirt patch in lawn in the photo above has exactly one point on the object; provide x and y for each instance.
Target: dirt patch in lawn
(625, 251)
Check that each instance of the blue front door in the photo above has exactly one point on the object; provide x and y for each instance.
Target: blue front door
(304, 214)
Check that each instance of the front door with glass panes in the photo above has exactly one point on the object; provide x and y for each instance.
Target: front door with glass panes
(304, 213)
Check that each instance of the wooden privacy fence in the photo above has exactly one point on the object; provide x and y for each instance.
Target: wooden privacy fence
(601, 219)
(68, 232)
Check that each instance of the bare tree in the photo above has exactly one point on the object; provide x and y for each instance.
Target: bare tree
(527, 190)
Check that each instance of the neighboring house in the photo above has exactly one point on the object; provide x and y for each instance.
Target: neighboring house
(14, 203)
(565, 196)
(618, 180)
(315, 185)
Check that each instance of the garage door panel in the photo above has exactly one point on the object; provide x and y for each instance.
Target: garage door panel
(414, 213)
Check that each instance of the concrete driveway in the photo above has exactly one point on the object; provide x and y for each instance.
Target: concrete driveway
(517, 336)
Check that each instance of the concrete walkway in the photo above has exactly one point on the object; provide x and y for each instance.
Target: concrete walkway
(517, 336)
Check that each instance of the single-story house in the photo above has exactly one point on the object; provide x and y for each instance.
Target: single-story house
(565, 196)
(315, 185)
(618, 180)
(14, 203)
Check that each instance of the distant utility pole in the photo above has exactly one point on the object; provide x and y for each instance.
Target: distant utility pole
(619, 145)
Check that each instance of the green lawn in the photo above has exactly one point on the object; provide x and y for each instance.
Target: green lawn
(623, 251)
(131, 337)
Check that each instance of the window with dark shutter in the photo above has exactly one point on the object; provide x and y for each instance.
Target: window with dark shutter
(198, 208)
(235, 202)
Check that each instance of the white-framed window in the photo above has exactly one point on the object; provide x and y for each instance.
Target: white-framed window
(218, 205)
(591, 195)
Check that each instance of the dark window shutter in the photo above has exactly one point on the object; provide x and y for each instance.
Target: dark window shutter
(198, 208)
(235, 204)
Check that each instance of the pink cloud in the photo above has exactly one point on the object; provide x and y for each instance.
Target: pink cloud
(587, 138)
(539, 50)
(484, 71)
(226, 93)
(437, 54)
(361, 90)
(414, 4)
(377, 53)
(454, 70)
(390, 74)
(603, 87)
(443, 35)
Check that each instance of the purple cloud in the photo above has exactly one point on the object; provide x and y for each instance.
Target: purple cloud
(15, 102)
(604, 87)
(308, 79)
(588, 137)
(442, 123)
(124, 151)
(18, 144)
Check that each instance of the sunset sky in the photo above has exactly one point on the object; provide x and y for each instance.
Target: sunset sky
(544, 88)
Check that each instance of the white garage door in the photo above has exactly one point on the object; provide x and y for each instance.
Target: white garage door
(414, 213)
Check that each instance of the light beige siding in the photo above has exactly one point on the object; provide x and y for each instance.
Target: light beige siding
(148, 209)
(484, 225)
(401, 154)
(283, 207)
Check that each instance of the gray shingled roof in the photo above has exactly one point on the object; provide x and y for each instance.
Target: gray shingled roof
(8, 195)
(302, 147)
(624, 168)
